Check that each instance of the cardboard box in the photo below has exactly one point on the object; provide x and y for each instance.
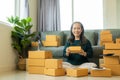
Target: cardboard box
(104, 32)
(102, 43)
(106, 37)
(77, 72)
(54, 72)
(117, 40)
(101, 73)
(36, 62)
(111, 60)
(114, 68)
(51, 43)
(115, 52)
(35, 70)
(40, 54)
(51, 38)
(112, 46)
(53, 63)
(75, 49)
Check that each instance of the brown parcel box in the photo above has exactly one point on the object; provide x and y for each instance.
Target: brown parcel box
(75, 49)
(54, 72)
(77, 72)
(106, 37)
(40, 54)
(35, 70)
(104, 32)
(101, 73)
(51, 43)
(51, 38)
(102, 43)
(114, 68)
(118, 41)
(112, 46)
(111, 60)
(115, 52)
(36, 62)
(53, 63)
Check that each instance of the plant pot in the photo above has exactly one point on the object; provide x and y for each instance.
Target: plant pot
(22, 64)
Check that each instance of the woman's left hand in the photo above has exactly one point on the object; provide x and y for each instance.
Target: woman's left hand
(83, 53)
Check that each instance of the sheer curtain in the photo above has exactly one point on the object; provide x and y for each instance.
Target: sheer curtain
(48, 15)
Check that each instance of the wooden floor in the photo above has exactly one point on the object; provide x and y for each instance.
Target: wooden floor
(23, 75)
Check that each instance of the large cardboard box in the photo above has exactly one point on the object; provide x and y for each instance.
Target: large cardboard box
(40, 54)
(75, 49)
(112, 46)
(111, 60)
(36, 62)
(115, 52)
(35, 70)
(54, 72)
(114, 68)
(106, 37)
(77, 72)
(101, 73)
(51, 43)
(53, 63)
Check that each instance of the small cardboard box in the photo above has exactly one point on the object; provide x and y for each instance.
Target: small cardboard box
(35, 70)
(51, 43)
(77, 72)
(40, 54)
(53, 63)
(112, 46)
(106, 37)
(104, 32)
(54, 72)
(115, 52)
(114, 68)
(36, 62)
(51, 38)
(111, 60)
(75, 49)
(101, 73)
(117, 40)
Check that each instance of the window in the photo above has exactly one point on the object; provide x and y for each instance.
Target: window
(7, 8)
(88, 12)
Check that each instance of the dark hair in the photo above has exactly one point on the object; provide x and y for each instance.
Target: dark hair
(82, 37)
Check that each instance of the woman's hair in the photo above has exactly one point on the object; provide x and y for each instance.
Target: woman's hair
(82, 37)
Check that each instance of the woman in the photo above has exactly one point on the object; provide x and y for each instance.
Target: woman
(77, 38)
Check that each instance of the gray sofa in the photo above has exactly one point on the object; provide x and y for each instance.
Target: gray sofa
(92, 35)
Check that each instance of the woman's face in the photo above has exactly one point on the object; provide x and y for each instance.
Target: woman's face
(76, 30)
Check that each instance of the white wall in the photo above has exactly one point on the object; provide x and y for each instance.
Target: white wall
(7, 56)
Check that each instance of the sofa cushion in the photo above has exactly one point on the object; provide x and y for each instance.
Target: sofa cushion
(90, 36)
(58, 33)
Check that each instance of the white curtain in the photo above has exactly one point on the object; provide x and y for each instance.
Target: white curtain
(48, 15)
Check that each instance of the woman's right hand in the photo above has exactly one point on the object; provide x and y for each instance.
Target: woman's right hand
(67, 51)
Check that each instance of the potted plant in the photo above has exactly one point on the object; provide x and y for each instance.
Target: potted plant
(21, 36)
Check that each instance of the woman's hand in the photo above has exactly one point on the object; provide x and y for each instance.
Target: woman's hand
(67, 51)
(83, 53)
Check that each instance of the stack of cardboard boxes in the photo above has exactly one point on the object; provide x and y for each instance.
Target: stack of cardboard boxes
(41, 62)
(105, 37)
(113, 61)
(51, 40)
(36, 61)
